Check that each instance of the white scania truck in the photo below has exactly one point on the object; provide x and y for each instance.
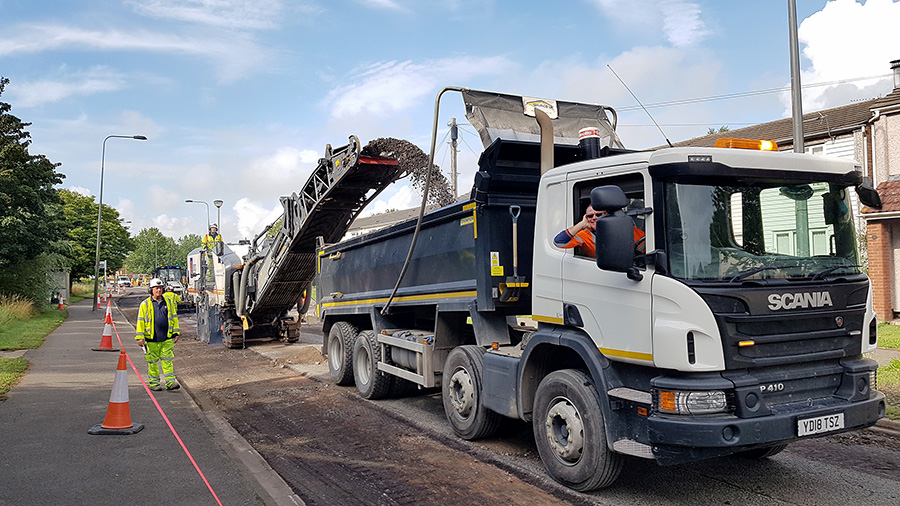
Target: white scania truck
(739, 326)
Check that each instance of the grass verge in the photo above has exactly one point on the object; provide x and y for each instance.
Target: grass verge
(30, 334)
(889, 336)
(889, 383)
(24, 327)
(11, 370)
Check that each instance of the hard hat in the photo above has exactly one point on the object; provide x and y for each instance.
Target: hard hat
(213, 226)
(156, 282)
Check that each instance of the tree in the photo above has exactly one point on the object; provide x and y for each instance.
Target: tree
(185, 245)
(31, 228)
(151, 249)
(81, 216)
(721, 129)
(30, 223)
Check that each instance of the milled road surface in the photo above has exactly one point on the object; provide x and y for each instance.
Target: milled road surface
(333, 447)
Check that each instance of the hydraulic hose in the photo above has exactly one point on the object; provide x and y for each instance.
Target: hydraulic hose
(415, 237)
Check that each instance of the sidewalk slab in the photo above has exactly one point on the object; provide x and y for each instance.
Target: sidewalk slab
(49, 458)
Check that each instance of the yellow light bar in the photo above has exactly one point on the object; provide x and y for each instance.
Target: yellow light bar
(761, 145)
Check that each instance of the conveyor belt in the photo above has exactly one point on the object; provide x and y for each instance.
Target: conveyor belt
(337, 191)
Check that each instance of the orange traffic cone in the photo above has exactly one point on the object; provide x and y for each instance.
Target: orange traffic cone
(106, 338)
(60, 306)
(98, 303)
(118, 414)
(108, 317)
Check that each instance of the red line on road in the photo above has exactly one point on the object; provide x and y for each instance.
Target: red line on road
(166, 418)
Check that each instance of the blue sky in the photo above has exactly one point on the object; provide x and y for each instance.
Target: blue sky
(239, 98)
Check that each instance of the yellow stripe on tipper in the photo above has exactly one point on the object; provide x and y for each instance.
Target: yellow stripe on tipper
(448, 295)
(627, 354)
(472, 206)
(431, 296)
(547, 319)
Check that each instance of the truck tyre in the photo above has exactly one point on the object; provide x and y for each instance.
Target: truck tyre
(461, 388)
(340, 352)
(570, 432)
(762, 453)
(371, 383)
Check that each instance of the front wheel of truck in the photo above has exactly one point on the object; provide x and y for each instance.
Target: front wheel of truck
(461, 386)
(570, 432)
(340, 352)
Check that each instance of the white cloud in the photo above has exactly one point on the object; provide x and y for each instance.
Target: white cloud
(382, 4)
(81, 190)
(680, 20)
(238, 14)
(235, 55)
(393, 86)
(682, 23)
(126, 209)
(253, 217)
(847, 40)
(401, 196)
(653, 73)
(95, 80)
(284, 171)
(171, 226)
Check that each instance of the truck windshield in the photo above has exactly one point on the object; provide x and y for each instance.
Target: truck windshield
(773, 230)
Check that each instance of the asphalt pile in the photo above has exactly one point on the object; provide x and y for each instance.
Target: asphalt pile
(414, 163)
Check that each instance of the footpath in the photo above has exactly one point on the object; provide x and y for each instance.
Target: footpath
(48, 457)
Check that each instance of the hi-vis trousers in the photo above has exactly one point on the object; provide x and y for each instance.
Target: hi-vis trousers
(160, 352)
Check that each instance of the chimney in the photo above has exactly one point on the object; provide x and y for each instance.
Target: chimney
(895, 66)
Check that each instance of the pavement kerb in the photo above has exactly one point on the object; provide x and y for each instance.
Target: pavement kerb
(268, 482)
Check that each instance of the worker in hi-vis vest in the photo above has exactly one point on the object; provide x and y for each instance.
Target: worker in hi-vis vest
(157, 333)
(208, 245)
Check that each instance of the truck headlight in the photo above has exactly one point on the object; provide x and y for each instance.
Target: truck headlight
(691, 402)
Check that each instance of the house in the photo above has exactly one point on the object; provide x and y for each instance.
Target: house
(868, 132)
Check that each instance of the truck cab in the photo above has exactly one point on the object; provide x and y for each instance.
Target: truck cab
(741, 327)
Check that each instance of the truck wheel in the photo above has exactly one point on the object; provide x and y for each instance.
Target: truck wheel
(762, 453)
(570, 432)
(371, 383)
(461, 386)
(340, 354)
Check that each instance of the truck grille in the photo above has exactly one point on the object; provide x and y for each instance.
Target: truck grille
(804, 337)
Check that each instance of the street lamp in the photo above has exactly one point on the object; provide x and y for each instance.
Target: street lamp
(189, 201)
(100, 209)
(218, 204)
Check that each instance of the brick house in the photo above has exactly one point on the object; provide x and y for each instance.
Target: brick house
(868, 132)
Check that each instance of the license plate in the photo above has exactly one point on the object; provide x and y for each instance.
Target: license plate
(819, 424)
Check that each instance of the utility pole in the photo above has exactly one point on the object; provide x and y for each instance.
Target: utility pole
(801, 208)
(796, 97)
(454, 135)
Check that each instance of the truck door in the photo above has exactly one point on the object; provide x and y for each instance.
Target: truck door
(615, 310)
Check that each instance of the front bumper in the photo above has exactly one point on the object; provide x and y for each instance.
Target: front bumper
(676, 439)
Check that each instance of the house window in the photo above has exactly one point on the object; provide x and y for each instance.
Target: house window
(815, 150)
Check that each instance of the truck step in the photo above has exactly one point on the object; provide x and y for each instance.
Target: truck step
(633, 448)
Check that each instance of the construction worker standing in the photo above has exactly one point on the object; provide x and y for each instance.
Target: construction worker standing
(157, 329)
(210, 239)
(210, 244)
(173, 297)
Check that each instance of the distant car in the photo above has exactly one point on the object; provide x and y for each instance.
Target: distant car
(124, 281)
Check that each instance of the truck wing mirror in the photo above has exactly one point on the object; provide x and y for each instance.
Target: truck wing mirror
(868, 195)
(614, 236)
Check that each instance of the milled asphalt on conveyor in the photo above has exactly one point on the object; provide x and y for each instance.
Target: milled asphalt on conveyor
(47, 456)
